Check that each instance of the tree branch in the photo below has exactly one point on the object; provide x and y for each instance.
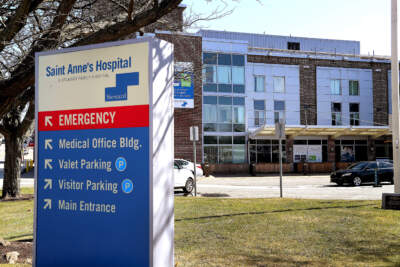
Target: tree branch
(17, 21)
(23, 77)
(121, 29)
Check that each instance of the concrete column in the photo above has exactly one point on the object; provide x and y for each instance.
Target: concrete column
(289, 150)
(331, 149)
(371, 149)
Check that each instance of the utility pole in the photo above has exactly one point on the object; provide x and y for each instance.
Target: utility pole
(395, 99)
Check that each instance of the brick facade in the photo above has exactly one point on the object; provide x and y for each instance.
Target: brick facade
(188, 49)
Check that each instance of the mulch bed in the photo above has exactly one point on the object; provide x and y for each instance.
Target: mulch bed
(24, 248)
(21, 197)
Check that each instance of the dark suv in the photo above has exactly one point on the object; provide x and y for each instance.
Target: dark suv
(364, 172)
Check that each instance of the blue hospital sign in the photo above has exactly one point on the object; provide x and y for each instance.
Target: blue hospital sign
(184, 90)
(93, 204)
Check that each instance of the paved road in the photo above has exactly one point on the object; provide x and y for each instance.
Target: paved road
(27, 179)
(311, 187)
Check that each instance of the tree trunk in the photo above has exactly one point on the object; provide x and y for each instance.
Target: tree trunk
(12, 165)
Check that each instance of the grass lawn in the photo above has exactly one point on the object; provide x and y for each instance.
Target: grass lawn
(264, 232)
(16, 218)
(275, 232)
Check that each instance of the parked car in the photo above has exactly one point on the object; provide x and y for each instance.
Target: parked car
(364, 172)
(183, 179)
(189, 165)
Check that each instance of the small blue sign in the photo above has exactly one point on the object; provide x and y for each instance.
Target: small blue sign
(183, 86)
(127, 186)
(120, 164)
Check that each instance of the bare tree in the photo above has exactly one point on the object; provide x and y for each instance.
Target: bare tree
(30, 26)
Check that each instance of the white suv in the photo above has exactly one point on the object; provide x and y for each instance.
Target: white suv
(183, 178)
(190, 166)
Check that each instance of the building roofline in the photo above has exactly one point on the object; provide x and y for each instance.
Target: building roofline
(177, 33)
(274, 35)
(314, 53)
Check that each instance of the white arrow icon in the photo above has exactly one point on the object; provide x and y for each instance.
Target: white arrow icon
(49, 184)
(47, 204)
(47, 120)
(47, 164)
(47, 143)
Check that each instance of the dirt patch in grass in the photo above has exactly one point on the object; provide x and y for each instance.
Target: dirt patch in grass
(21, 197)
(24, 249)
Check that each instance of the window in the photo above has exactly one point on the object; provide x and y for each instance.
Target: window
(354, 88)
(224, 59)
(351, 150)
(225, 149)
(354, 114)
(223, 114)
(224, 74)
(237, 75)
(293, 46)
(224, 109)
(279, 84)
(279, 110)
(266, 151)
(335, 87)
(259, 112)
(209, 74)
(210, 109)
(237, 60)
(259, 83)
(209, 58)
(336, 110)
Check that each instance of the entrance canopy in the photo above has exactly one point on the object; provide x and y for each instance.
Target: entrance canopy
(322, 130)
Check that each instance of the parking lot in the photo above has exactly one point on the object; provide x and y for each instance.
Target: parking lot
(310, 187)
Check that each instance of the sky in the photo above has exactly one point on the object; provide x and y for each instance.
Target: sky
(367, 21)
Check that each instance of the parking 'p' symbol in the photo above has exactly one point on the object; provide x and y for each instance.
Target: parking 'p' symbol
(127, 186)
(120, 164)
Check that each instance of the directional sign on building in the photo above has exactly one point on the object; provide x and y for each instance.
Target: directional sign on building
(184, 90)
(95, 113)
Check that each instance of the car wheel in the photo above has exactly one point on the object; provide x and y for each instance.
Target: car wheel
(189, 186)
(392, 181)
(357, 181)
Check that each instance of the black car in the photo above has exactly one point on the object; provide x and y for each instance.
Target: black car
(364, 172)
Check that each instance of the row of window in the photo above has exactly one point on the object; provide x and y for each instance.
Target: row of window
(228, 149)
(354, 108)
(223, 73)
(229, 113)
(354, 87)
(277, 81)
(223, 114)
(260, 111)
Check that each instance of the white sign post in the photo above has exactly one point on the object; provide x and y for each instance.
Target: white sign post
(194, 136)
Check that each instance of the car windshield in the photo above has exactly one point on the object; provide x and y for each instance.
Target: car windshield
(357, 166)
